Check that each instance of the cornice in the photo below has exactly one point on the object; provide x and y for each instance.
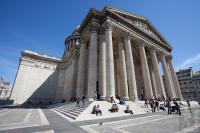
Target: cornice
(38, 56)
(92, 14)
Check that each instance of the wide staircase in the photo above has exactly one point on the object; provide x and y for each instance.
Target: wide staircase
(71, 112)
(69, 109)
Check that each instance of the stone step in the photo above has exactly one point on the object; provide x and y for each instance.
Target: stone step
(70, 110)
(75, 111)
(71, 113)
(73, 107)
(60, 105)
(66, 114)
(67, 106)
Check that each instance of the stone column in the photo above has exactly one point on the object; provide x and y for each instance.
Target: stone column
(175, 80)
(118, 77)
(109, 61)
(92, 62)
(145, 71)
(122, 68)
(159, 84)
(153, 82)
(81, 70)
(169, 86)
(130, 69)
(102, 66)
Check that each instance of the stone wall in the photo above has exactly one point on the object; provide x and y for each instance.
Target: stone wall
(36, 79)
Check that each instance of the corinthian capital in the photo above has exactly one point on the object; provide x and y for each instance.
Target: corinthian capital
(127, 36)
(153, 49)
(94, 26)
(108, 26)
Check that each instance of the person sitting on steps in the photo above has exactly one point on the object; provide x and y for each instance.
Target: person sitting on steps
(114, 108)
(112, 99)
(98, 110)
(128, 110)
(94, 109)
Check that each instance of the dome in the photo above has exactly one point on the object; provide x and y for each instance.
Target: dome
(74, 35)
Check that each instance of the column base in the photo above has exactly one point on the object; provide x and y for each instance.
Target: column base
(90, 99)
(126, 98)
(134, 99)
(102, 97)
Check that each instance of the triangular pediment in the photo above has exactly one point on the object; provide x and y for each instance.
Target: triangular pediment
(139, 22)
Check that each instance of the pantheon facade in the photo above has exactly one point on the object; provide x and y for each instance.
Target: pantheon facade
(111, 53)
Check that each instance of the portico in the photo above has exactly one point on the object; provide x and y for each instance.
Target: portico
(124, 61)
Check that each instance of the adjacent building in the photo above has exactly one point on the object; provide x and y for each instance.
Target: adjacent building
(111, 53)
(5, 89)
(189, 82)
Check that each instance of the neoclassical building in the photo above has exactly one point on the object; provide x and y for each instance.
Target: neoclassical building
(111, 53)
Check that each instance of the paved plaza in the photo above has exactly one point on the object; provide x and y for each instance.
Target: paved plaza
(37, 120)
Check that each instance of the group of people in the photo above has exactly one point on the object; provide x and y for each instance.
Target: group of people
(78, 101)
(114, 108)
(96, 110)
(171, 105)
(118, 100)
(171, 108)
(154, 104)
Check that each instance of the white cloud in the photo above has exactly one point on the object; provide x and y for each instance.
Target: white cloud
(190, 62)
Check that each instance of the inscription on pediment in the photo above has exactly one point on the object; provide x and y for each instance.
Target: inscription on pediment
(142, 26)
(145, 28)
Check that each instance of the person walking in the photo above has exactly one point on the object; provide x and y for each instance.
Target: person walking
(188, 103)
(157, 105)
(145, 103)
(154, 106)
(168, 104)
(83, 100)
(78, 102)
(95, 96)
(177, 107)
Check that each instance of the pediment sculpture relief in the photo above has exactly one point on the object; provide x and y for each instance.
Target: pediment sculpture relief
(141, 25)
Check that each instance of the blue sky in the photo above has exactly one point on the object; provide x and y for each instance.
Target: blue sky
(42, 25)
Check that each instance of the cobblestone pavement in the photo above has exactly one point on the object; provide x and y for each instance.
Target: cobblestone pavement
(28, 120)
